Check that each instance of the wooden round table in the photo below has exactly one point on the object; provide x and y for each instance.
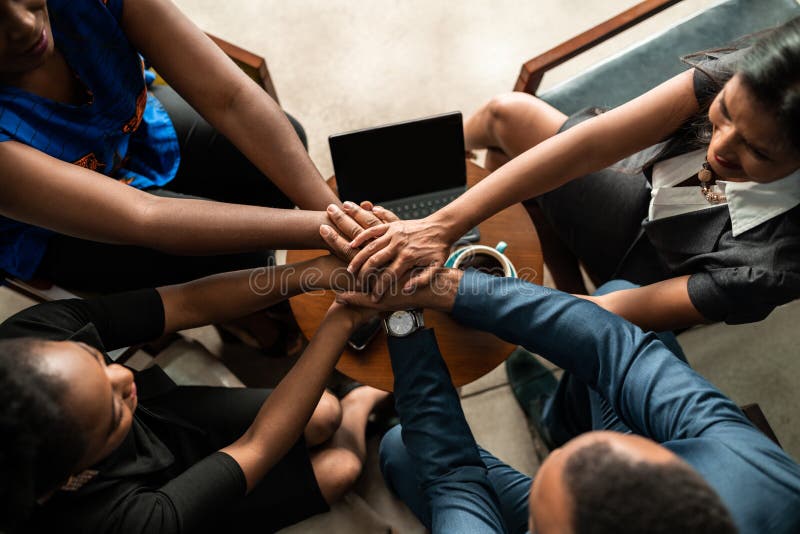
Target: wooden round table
(469, 353)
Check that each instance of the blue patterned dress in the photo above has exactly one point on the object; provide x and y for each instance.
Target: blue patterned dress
(122, 130)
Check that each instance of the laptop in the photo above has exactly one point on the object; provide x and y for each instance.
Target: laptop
(412, 168)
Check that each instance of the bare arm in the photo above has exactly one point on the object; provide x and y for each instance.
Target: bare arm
(284, 415)
(40, 190)
(658, 307)
(587, 147)
(226, 296)
(201, 73)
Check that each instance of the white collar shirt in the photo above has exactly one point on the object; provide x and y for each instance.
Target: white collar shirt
(749, 203)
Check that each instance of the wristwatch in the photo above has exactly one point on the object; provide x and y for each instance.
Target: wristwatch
(403, 323)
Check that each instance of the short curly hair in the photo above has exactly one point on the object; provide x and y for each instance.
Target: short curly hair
(613, 494)
(41, 444)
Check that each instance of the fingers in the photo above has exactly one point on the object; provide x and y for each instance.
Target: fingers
(366, 205)
(419, 280)
(364, 217)
(385, 215)
(346, 224)
(366, 235)
(389, 277)
(422, 278)
(371, 258)
(366, 253)
(338, 245)
(355, 298)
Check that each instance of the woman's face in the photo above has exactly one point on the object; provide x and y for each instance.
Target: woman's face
(747, 143)
(101, 398)
(25, 37)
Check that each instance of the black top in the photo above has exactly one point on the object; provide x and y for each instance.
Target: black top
(733, 279)
(142, 486)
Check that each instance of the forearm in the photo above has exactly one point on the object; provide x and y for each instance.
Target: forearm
(446, 459)
(435, 430)
(222, 297)
(587, 147)
(573, 333)
(199, 227)
(259, 128)
(660, 307)
(43, 191)
(649, 388)
(542, 168)
(281, 420)
(226, 97)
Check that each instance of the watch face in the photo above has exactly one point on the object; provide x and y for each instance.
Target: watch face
(401, 323)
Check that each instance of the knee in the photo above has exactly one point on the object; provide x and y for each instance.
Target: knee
(391, 451)
(325, 420)
(614, 285)
(507, 107)
(343, 469)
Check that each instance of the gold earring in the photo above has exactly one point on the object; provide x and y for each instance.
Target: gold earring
(76, 482)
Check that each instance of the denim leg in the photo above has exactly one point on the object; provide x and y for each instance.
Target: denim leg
(451, 477)
(398, 472)
(511, 486)
(575, 408)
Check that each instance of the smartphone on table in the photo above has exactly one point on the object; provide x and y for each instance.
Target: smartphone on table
(364, 334)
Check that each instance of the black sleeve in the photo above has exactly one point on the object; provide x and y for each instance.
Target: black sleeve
(739, 295)
(711, 71)
(121, 320)
(191, 502)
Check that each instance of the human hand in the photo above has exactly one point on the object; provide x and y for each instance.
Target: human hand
(327, 272)
(439, 293)
(351, 316)
(349, 225)
(396, 248)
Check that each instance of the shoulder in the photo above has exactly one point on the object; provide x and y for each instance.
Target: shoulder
(711, 70)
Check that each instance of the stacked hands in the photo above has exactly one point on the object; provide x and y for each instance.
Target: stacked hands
(383, 263)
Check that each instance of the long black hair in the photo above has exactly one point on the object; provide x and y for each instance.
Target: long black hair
(41, 444)
(769, 65)
(771, 70)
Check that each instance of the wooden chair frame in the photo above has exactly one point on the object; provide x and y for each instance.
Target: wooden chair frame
(534, 70)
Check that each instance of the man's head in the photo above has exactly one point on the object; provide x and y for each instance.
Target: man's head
(607, 482)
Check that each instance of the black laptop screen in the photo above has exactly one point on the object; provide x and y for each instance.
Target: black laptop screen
(400, 160)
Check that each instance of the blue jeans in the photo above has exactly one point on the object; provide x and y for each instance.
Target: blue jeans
(432, 462)
(509, 485)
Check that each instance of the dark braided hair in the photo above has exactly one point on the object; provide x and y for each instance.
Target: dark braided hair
(40, 445)
(613, 495)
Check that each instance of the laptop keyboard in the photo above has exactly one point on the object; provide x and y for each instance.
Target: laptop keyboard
(420, 206)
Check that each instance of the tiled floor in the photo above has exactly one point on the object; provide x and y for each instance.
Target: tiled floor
(345, 64)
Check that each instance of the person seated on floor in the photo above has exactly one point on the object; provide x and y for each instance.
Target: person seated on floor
(666, 451)
(104, 176)
(89, 446)
(724, 252)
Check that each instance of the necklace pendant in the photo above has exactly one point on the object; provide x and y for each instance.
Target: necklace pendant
(705, 175)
